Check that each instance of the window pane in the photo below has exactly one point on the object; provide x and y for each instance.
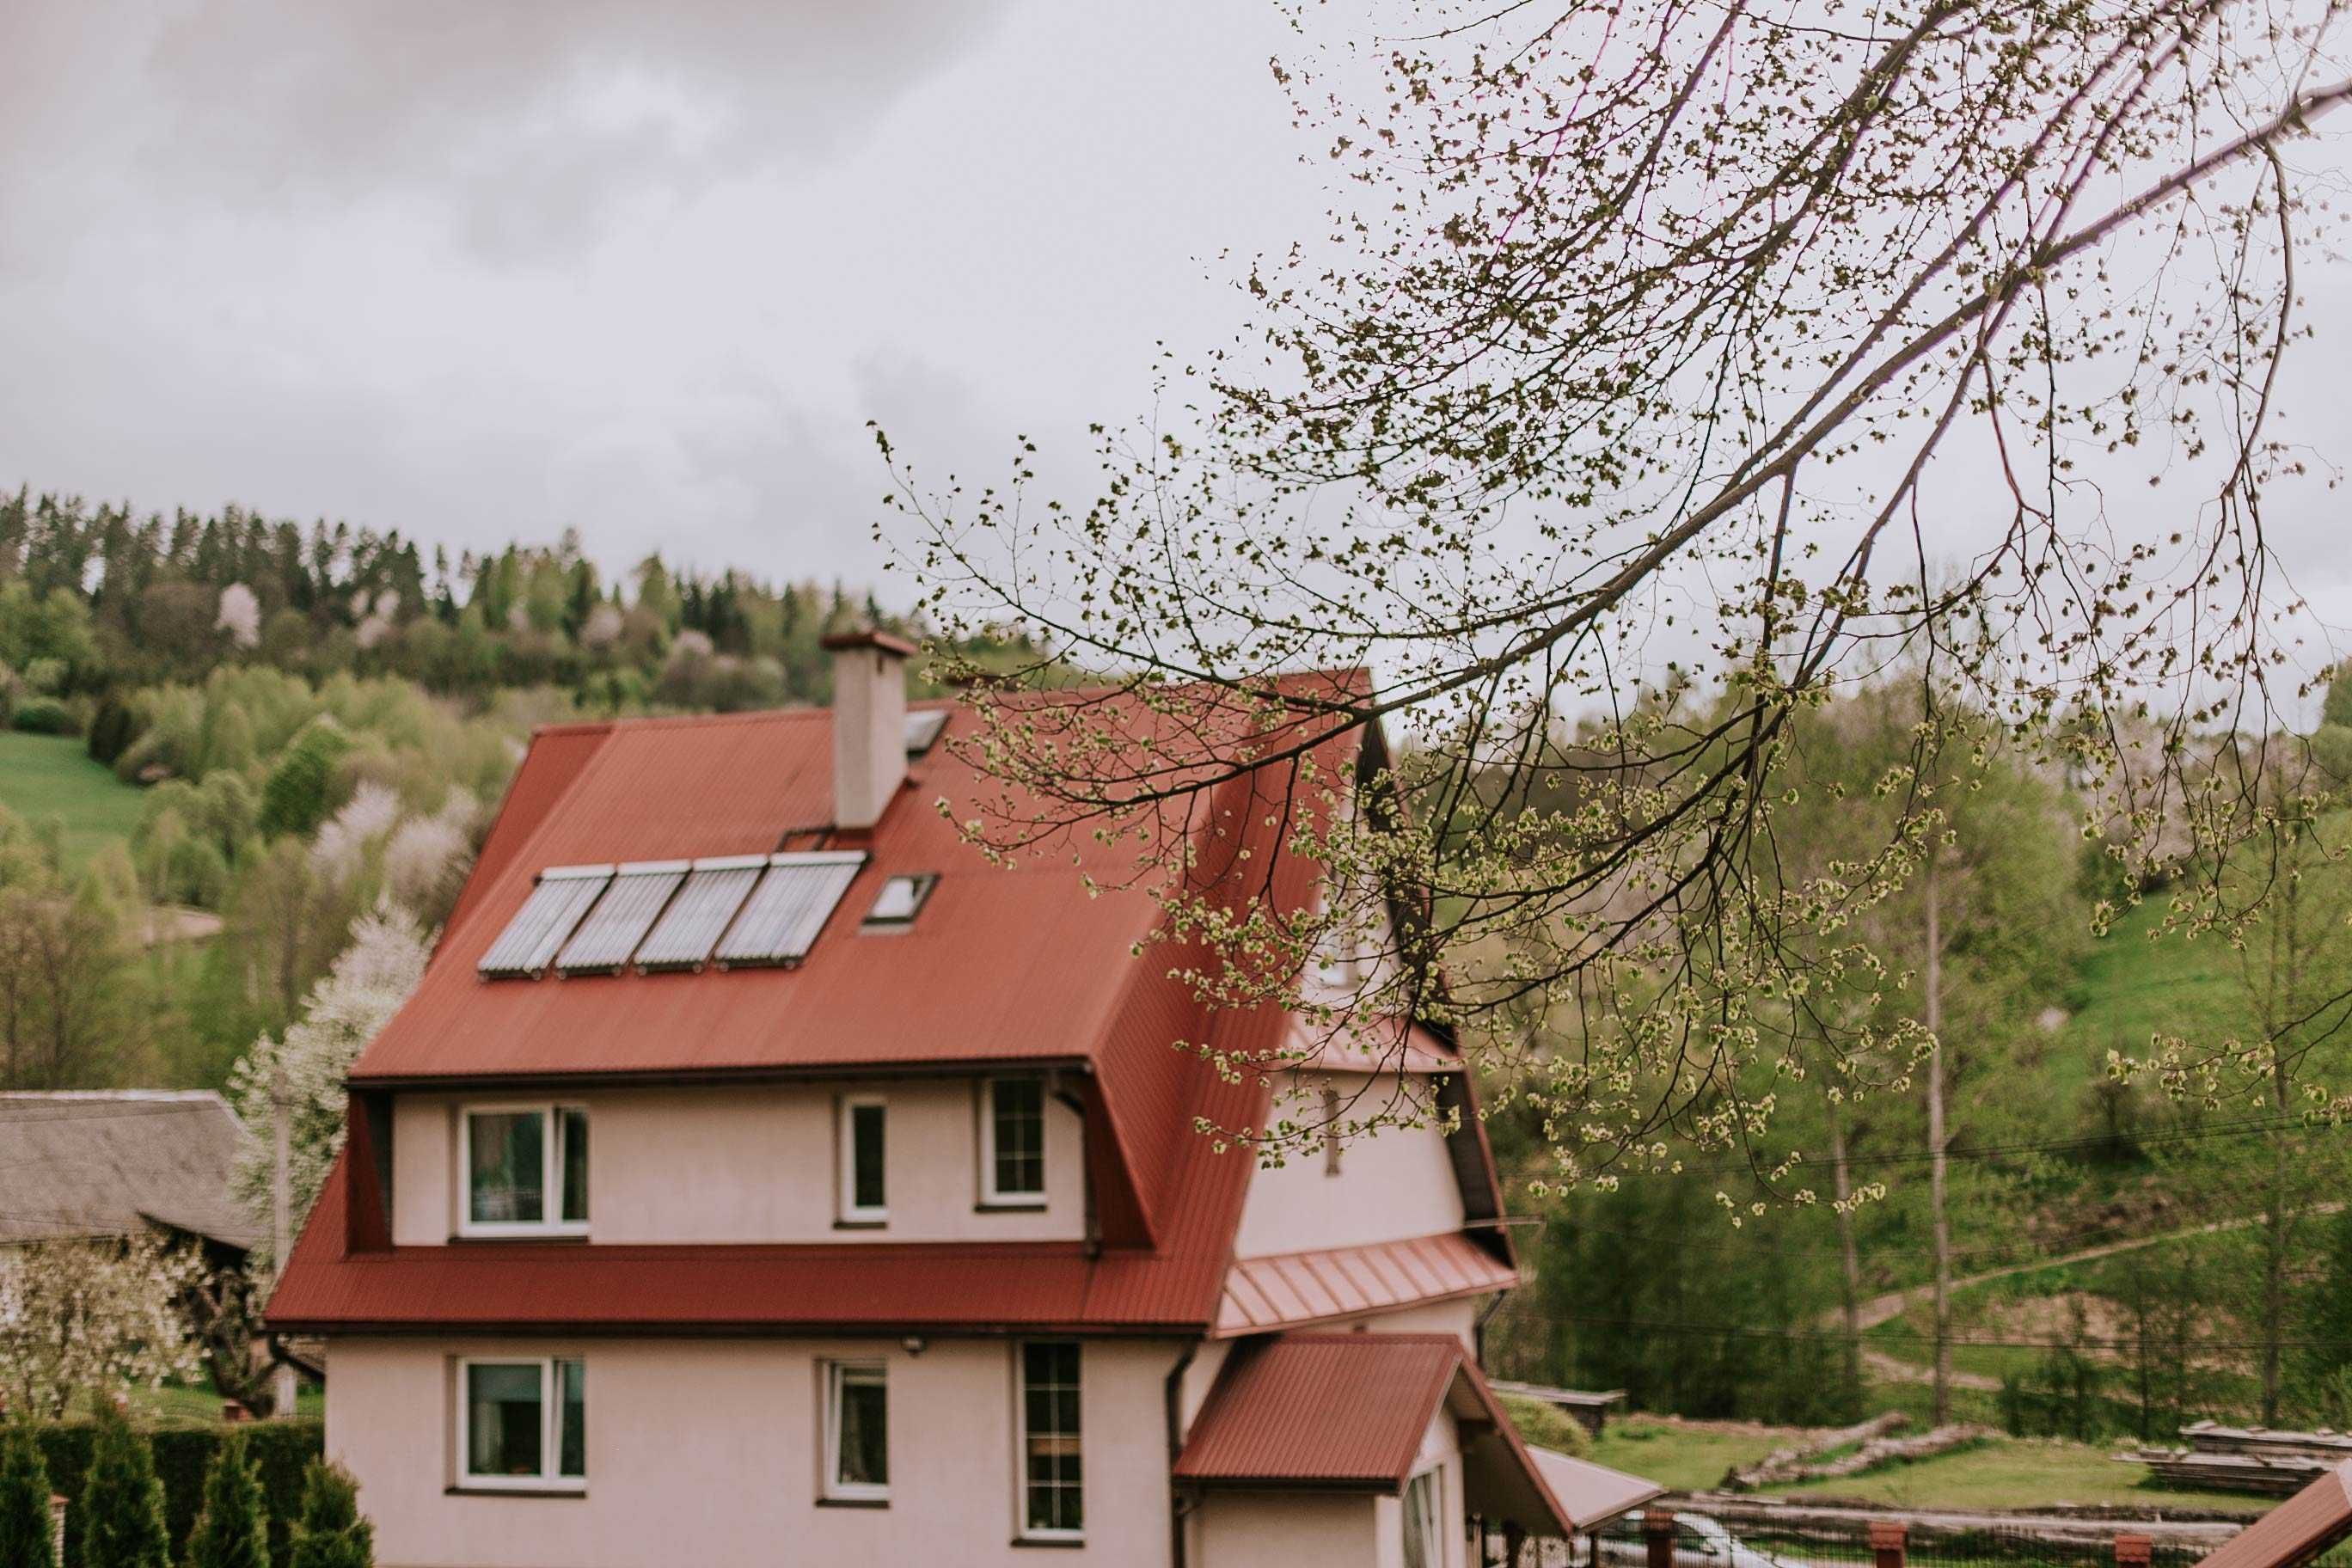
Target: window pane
(863, 1439)
(1018, 1126)
(572, 1444)
(509, 1158)
(1420, 1521)
(865, 1156)
(1052, 1470)
(575, 1163)
(503, 1422)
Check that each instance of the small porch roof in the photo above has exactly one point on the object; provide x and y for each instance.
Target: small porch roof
(1348, 1412)
(2295, 1531)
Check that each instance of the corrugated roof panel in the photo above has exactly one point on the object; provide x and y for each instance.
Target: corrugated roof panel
(1298, 1287)
(602, 943)
(690, 928)
(780, 920)
(546, 918)
(1333, 1409)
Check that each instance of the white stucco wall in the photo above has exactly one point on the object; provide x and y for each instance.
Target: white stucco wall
(707, 1453)
(1240, 1529)
(754, 1163)
(1391, 1185)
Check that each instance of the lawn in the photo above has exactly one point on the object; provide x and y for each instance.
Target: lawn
(2002, 1473)
(50, 776)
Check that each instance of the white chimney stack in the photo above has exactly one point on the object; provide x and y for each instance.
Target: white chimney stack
(869, 723)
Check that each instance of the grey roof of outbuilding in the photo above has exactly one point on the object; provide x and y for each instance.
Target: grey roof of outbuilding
(105, 1162)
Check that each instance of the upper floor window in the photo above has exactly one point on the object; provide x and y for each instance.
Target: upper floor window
(526, 1170)
(857, 1432)
(1052, 1494)
(1013, 1142)
(865, 1196)
(524, 1424)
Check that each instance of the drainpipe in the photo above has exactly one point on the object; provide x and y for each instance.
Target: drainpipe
(1174, 1394)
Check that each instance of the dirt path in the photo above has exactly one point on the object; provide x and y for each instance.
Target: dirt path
(1894, 1303)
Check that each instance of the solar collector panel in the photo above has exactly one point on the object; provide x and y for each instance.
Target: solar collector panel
(699, 916)
(604, 939)
(780, 921)
(546, 918)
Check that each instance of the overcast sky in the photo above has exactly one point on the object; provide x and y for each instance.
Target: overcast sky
(476, 270)
(479, 272)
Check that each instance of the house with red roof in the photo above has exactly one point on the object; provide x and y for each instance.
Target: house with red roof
(760, 1174)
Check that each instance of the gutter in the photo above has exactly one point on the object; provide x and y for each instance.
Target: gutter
(1172, 1396)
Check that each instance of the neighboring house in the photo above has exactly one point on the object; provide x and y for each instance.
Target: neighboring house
(758, 1176)
(110, 1163)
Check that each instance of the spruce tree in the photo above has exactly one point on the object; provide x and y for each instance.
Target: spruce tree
(331, 1533)
(24, 1538)
(121, 1501)
(232, 1532)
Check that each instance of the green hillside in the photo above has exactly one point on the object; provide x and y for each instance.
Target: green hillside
(46, 778)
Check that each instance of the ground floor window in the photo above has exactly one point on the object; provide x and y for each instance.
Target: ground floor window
(522, 1424)
(1424, 1543)
(1053, 1504)
(857, 1432)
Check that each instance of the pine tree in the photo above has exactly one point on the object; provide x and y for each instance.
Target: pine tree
(24, 1538)
(121, 1501)
(331, 1533)
(232, 1531)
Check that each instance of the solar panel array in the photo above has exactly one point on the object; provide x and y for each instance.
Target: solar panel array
(658, 915)
(780, 920)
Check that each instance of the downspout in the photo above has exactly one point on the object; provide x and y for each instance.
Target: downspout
(1172, 1393)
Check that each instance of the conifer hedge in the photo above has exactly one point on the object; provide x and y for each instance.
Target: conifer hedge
(279, 1451)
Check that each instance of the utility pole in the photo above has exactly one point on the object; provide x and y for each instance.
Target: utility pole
(1943, 1395)
(283, 1383)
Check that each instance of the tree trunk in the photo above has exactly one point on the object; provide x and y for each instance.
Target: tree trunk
(1849, 1284)
(1943, 1234)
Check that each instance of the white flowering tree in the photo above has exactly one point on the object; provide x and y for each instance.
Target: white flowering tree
(93, 1313)
(358, 996)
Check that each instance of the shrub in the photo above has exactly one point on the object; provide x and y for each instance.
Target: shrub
(122, 1503)
(44, 716)
(1546, 1425)
(331, 1533)
(25, 1540)
(278, 1449)
(232, 1532)
(111, 730)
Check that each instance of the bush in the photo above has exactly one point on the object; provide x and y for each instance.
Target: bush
(232, 1532)
(280, 1449)
(121, 1505)
(23, 1500)
(300, 793)
(1546, 1425)
(111, 730)
(44, 716)
(331, 1533)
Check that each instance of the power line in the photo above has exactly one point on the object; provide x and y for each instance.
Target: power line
(2078, 1143)
(1880, 1335)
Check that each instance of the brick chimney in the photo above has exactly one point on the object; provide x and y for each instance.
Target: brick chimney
(869, 723)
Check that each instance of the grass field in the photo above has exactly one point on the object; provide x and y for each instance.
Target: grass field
(50, 776)
(2003, 1473)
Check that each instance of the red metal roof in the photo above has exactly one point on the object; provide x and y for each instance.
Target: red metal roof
(1003, 966)
(1295, 1289)
(2295, 1531)
(1349, 1410)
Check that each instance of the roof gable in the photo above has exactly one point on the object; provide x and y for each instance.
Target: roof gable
(107, 1163)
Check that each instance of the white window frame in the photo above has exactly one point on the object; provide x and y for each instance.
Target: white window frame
(1433, 1523)
(989, 1194)
(850, 1211)
(551, 1171)
(1023, 1529)
(836, 1373)
(551, 1428)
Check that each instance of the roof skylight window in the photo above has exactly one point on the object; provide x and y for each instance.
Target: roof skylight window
(923, 727)
(901, 897)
